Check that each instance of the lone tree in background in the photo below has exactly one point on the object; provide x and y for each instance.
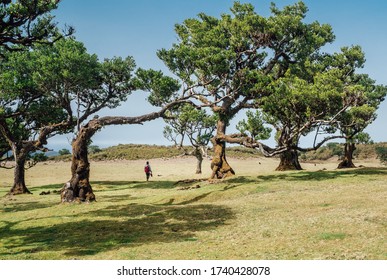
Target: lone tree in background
(230, 63)
(194, 124)
(355, 120)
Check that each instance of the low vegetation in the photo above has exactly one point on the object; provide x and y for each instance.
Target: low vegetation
(139, 151)
(258, 214)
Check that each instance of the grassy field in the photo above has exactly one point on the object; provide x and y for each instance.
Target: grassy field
(318, 213)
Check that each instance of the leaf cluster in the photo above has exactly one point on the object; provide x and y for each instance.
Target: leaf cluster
(188, 121)
(26, 22)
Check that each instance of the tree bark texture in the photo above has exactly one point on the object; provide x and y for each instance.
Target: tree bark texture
(19, 185)
(219, 165)
(289, 161)
(79, 188)
(347, 161)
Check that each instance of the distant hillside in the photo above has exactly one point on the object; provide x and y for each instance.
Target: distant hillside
(363, 151)
(133, 151)
(138, 151)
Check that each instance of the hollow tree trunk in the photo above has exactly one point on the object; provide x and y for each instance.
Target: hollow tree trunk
(289, 161)
(19, 185)
(79, 188)
(219, 165)
(347, 161)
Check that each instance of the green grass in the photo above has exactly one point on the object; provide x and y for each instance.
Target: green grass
(290, 215)
(332, 236)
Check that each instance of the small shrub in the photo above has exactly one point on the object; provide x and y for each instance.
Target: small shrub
(93, 149)
(63, 152)
(382, 154)
(38, 157)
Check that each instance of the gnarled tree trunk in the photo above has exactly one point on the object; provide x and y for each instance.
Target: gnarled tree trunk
(289, 161)
(79, 188)
(347, 161)
(19, 185)
(219, 165)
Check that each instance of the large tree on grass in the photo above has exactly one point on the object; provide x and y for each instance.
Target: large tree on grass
(22, 24)
(82, 85)
(27, 116)
(324, 94)
(353, 123)
(116, 82)
(231, 62)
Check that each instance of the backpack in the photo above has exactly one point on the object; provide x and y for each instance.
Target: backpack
(146, 169)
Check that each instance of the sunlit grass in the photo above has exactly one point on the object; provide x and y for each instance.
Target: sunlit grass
(259, 214)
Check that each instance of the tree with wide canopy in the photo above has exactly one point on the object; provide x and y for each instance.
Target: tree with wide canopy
(230, 63)
(23, 24)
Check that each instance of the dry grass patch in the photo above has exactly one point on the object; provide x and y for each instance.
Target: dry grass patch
(259, 214)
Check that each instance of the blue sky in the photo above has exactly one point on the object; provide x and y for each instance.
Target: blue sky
(140, 28)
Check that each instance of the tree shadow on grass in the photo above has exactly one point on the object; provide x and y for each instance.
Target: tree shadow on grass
(23, 206)
(113, 185)
(241, 180)
(114, 227)
(323, 174)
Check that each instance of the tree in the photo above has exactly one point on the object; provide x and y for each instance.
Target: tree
(194, 124)
(92, 149)
(63, 152)
(82, 85)
(26, 114)
(355, 120)
(116, 81)
(254, 126)
(230, 63)
(317, 97)
(22, 24)
(26, 22)
(382, 154)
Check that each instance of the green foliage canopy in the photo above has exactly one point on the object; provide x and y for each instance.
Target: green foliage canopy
(231, 63)
(188, 121)
(25, 22)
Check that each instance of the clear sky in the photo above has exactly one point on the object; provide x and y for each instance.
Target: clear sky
(140, 28)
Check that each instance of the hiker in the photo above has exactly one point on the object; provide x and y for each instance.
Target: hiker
(148, 170)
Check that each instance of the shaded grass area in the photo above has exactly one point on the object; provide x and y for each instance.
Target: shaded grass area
(291, 215)
(324, 175)
(116, 226)
(42, 228)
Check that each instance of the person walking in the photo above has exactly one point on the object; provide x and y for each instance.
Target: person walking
(148, 171)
